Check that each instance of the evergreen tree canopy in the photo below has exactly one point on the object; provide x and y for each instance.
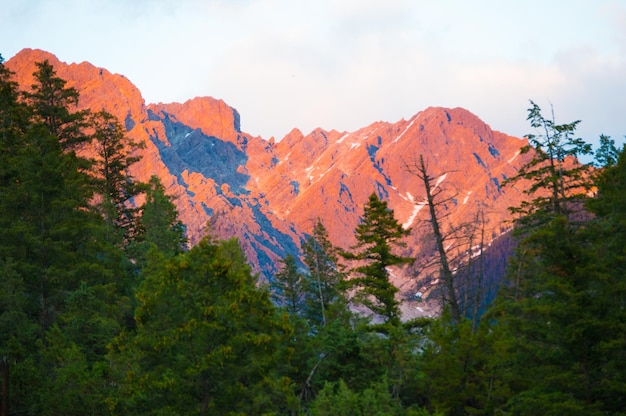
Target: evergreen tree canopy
(208, 341)
(52, 250)
(114, 184)
(561, 319)
(54, 106)
(325, 280)
(159, 225)
(49, 219)
(377, 235)
(557, 178)
(287, 287)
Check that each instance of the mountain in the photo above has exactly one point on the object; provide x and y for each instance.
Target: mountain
(269, 193)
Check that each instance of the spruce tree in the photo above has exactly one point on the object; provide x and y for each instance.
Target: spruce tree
(377, 235)
(51, 251)
(558, 180)
(115, 187)
(287, 287)
(325, 279)
(55, 107)
(158, 224)
(208, 340)
(560, 320)
(53, 219)
(14, 124)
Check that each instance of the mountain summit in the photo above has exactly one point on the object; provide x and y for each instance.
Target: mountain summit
(269, 193)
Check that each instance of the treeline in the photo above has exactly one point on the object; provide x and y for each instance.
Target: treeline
(104, 310)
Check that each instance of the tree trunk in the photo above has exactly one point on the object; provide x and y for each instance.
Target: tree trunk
(446, 274)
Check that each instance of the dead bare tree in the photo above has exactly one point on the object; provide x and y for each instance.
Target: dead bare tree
(459, 247)
(470, 270)
(434, 200)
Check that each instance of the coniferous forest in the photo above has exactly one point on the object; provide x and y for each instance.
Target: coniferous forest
(105, 310)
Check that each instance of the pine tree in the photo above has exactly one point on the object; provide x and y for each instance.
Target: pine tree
(50, 250)
(287, 287)
(337, 399)
(558, 180)
(54, 107)
(13, 122)
(208, 340)
(377, 235)
(325, 279)
(51, 219)
(560, 320)
(158, 225)
(461, 368)
(115, 187)
(607, 154)
(13, 127)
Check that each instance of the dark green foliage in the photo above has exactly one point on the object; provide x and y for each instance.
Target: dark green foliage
(337, 399)
(54, 107)
(208, 341)
(13, 125)
(287, 288)
(333, 344)
(607, 154)
(553, 342)
(325, 280)
(61, 306)
(73, 384)
(13, 122)
(557, 178)
(113, 185)
(288, 295)
(462, 369)
(388, 345)
(132, 323)
(377, 235)
(47, 213)
(560, 322)
(159, 225)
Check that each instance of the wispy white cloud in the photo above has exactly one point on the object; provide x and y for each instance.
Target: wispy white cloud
(343, 64)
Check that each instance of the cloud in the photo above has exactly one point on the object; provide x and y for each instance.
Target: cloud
(344, 64)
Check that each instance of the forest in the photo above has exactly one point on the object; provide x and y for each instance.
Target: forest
(106, 310)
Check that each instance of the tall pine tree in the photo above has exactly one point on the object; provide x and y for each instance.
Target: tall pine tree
(158, 224)
(208, 340)
(560, 320)
(558, 180)
(377, 235)
(52, 215)
(325, 279)
(115, 187)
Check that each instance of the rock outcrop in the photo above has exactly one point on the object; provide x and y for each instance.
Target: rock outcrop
(268, 194)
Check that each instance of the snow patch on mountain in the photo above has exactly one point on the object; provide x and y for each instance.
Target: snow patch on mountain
(342, 138)
(416, 209)
(440, 179)
(514, 157)
(405, 130)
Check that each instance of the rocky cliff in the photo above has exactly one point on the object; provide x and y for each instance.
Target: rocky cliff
(268, 194)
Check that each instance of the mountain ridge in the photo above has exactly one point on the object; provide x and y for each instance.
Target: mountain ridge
(269, 193)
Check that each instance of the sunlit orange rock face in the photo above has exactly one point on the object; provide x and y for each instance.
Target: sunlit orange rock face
(268, 194)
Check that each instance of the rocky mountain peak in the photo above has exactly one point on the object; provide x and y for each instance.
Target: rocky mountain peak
(269, 193)
(214, 117)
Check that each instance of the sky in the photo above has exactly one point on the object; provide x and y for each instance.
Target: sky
(344, 64)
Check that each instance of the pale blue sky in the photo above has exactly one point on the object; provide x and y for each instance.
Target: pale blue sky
(344, 64)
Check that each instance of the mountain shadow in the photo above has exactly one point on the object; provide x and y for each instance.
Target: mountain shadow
(194, 151)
